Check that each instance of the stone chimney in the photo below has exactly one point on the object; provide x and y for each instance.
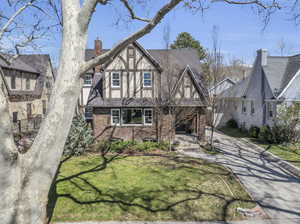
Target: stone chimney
(262, 55)
(98, 50)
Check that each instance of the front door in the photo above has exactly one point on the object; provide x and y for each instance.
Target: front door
(184, 127)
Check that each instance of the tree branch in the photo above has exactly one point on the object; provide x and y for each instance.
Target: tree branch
(251, 2)
(13, 17)
(87, 11)
(146, 29)
(131, 12)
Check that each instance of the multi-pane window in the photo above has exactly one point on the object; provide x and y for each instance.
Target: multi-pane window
(15, 117)
(148, 116)
(132, 116)
(147, 79)
(27, 83)
(115, 116)
(115, 80)
(87, 80)
(252, 107)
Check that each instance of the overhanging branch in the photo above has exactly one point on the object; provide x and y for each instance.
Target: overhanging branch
(146, 29)
(131, 12)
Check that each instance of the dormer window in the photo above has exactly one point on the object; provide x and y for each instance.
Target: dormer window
(115, 80)
(147, 79)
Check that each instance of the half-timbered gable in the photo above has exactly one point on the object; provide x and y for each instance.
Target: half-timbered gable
(127, 92)
(132, 73)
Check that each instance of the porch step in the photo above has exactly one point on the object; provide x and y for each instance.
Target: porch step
(186, 141)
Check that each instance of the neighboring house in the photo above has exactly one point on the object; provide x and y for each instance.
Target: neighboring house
(27, 83)
(274, 81)
(131, 95)
(221, 86)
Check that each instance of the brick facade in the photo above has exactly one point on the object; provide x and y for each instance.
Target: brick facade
(161, 128)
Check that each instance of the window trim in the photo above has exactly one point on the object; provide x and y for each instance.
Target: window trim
(144, 115)
(111, 80)
(151, 79)
(91, 80)
(111, 117)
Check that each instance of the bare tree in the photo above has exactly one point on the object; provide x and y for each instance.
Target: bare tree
(215, 70)
(284, 47)
(26, 178)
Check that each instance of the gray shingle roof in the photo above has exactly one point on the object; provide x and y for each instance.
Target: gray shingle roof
(17, 64)
(279, 71)
(35, 63)
(238, 90)
(275, 71)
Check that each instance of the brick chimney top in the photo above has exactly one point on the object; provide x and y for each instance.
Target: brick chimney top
(98, 46)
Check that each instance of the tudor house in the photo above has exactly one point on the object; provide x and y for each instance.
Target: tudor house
(274, 81)
(145, 94)
(27, 83)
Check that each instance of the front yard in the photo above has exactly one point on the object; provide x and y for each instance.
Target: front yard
(288, 152)
(153, 188)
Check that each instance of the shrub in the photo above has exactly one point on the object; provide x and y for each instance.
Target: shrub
(254, 131)
(232, 124)
(80, 137)
(265, 134)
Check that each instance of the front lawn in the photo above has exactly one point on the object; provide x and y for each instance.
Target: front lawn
(148, 188)
(290, 152)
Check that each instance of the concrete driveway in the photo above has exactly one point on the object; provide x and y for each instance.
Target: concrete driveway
(276, 190)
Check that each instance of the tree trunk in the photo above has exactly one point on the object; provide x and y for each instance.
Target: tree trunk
(35, 170)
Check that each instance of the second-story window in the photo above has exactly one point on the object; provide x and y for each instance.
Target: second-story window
(147, 79)
(13, 82)
(27, 83)
(115, 80)
(87, 79)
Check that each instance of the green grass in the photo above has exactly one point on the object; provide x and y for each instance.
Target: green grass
(234, 132)
(148, 188)
(289, 152)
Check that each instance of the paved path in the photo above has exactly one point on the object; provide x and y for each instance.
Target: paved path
(276, 190)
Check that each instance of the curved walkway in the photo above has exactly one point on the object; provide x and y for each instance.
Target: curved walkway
(276, 190)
